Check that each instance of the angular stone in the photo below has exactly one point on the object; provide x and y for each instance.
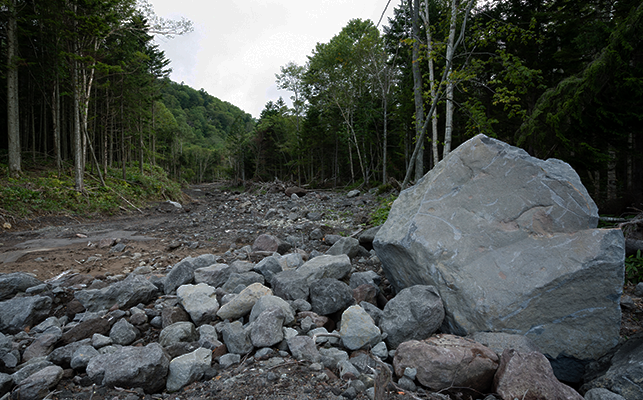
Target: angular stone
(267, 330)
(188, 368)
(290, 285)
(509, 243)
(123, 333)
(23, 312)
(415, 313)
(529, 376)
(303, 348)
(357, 329)
(200, 301)
(215, 275)
(82, 356)
(42, 345)
(131, 367)
(16, 282)
(181, 273)
(267, 243)
(330, 295)
(244, 279)
(243, 302)
(178, 332)
(326, 266)
(125, 294)
(268, 267)
(345, 245)
(38, 385)
(87, 329)
(269, 302)
(236, 337)
(445, 361)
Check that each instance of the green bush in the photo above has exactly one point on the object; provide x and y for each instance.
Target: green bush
(634, 268)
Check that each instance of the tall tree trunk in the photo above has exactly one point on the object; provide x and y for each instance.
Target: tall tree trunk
(434, 115)
(55, 117)
(79, 154)
(13, 109)
(448, 128)
(417, 89)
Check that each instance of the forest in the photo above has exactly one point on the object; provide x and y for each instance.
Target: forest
(84, 88)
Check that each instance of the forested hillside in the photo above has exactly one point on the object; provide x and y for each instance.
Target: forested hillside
(84, 86)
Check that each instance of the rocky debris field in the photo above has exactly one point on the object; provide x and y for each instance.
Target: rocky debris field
(268, 294)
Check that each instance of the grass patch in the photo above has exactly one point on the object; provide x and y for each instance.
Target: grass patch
(634, 268)
(380, 214)
(41, 190)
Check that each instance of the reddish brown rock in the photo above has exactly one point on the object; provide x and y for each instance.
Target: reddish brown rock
(86, 329)
(445, 361)
(529, 376)
(365, 292)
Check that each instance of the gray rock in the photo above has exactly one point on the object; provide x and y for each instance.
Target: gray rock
(200, 301)
(129, 292)
(42, 345)
(347, 370)
(364, 278)
(290, 261)
(332, 356)
(345, 245)
(215, 275)
(366, 238)
(330, 239)
(203, 261)
(269, 302)
(208, 337)
(602, 394)
(181, 273)
(82, 356)
(241, 304)
(38, 385)
(123, 333)
(509, 242)
(131, 367)
(99, 341)
(303, 348)
(415, 313)
(326, 266)
(357, 329)
(267, 243)
(178, 332)
(6, 383)
(625, 374)
(228, 360)
(46, 324)
(638, 290)
(268, 267)
(22, 312)
(330, 295)
(188, 368)
(62, 355)
(353, 193)
(15, 282)
(266, 330)
(29, 369)
(301, 305)
(499, 342)
(373, 311)
(316, 234)
(290, 285)
(245, 279)
(380, 350)
(236, 337)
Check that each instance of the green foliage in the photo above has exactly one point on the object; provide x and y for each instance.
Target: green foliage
(43, 192)
(380, 214)
(634, 268)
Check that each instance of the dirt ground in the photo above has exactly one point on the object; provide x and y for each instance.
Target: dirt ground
(214, 221)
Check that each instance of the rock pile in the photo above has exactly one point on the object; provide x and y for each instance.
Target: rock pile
(156, 333)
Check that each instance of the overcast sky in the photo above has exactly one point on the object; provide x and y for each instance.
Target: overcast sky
(238, 46)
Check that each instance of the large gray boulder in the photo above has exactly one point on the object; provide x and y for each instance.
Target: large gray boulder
(127, 293)
(22, 312)
(15, 282)
(131, 367)
(509, 241)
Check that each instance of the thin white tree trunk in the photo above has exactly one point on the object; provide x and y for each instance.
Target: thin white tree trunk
(417, 91)
(448, 128)
(434, 115)
(13, 110)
